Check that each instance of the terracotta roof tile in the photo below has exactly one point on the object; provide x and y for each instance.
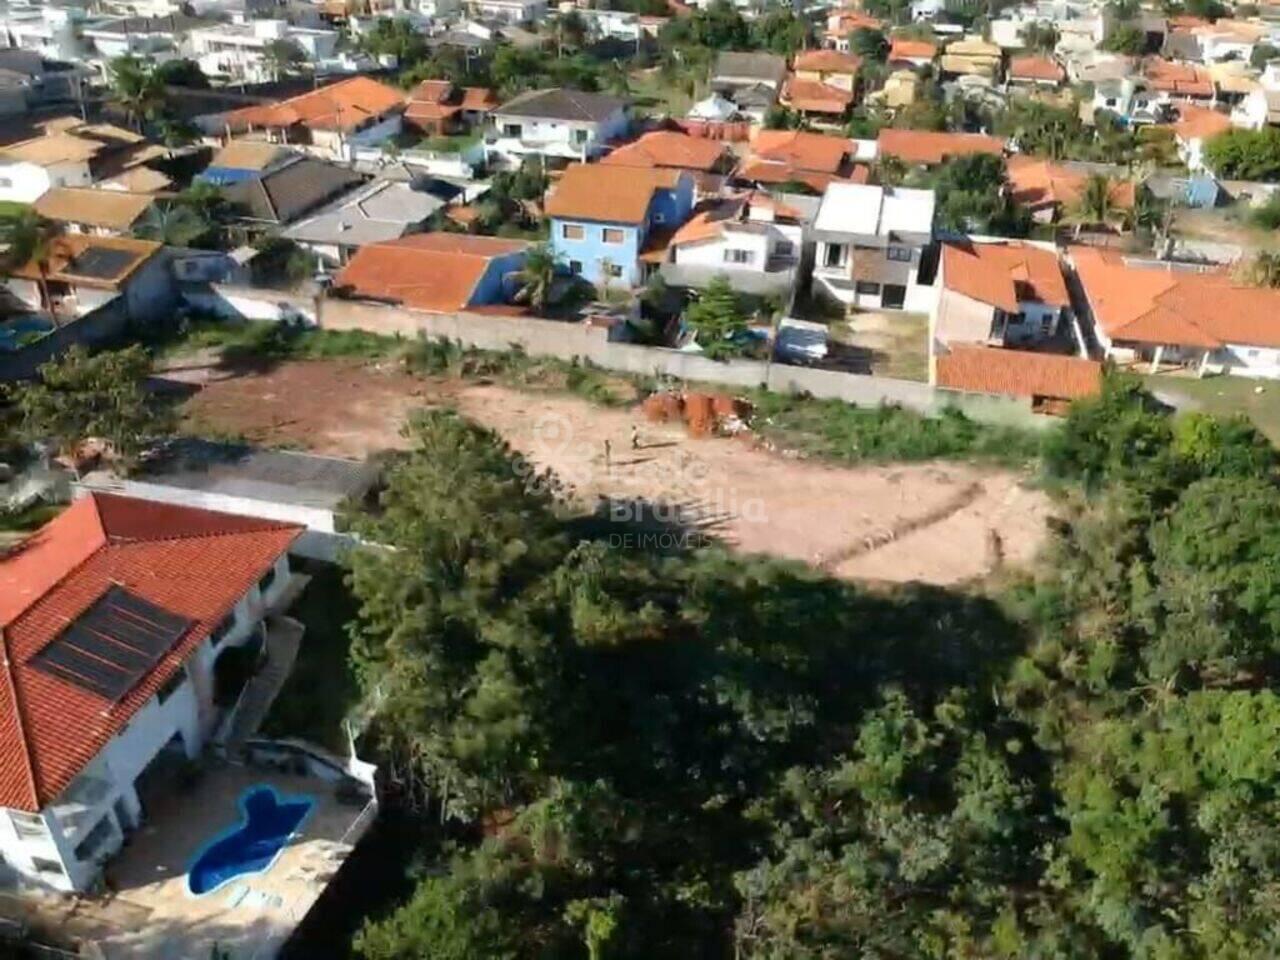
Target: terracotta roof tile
(815, 97)
(1018, 373)
(193, 563)
(64, 262)
(669, 148)
(343, 105)
(597, 192)
(904, 49)
(827, 61)
(1185, 79)
(437, 272)
(1158, 304)
(110, 209)
(1034, 181)
(1036, 68)
(801, 150)
(933, 147)
(1200, 123)
(1003, 274)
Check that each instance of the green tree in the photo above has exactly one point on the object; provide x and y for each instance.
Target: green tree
(182, 73)
(538, 278)
(1039, 36)
(1263, 53)
(717, 320)
(869, 44)
(173, 224)
(29, 237)
(1245, 154)
(82, 396)
(138, 88)
(970, 196)
(282, 57)
(1097, 206)
(1125, 38)
(780, 31)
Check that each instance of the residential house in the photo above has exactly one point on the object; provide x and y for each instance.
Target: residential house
(556, 125)
(114, 615)
(286, 486)
(842, 24)
(1049, 189)
(752, 81)
(781, 157)
(901, 89)
(29, 81)
(1130, 100)
(69, 154)
(435, 272)
(819, 103)
(1049, 381)
(508, 11)
(753, 239)
(998, 294)
(910, 54)
(610, 226)
(441, 107)
(929, 148)
(286, 194)
(871, 242)
(331, 122)
(246, 160)
(829, 67)
(384, 210)
(83, 273)
(709, 161)
(1228, 39)
(1179, 81)
(237, 52)
(714, 109)
(102, 213)
(1035, 73)
(139, 179)
(155, 38)
(971, 57)
(1164, 313)
(51, 31)
(1194, 128)
(1260, 108)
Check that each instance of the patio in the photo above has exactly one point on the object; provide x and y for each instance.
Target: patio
(151, 914)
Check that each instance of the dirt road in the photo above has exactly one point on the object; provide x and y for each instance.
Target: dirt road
(940, 523)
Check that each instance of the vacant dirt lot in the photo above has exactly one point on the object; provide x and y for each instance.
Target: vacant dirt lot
(938, 523)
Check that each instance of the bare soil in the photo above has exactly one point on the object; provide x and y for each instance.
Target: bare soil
(940, 523)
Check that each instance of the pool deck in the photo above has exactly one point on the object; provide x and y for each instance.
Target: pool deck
(152, 915)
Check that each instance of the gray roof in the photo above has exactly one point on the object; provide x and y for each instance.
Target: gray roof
(274, 476)
(765, 67)
(285, 194)
(176, 23)
(385, 210)
(559, 104)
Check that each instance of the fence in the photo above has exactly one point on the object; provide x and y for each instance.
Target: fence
(232, 302)
(570, 341)
(103, 325)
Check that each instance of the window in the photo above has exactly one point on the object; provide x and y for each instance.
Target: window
(5, 182)
(95, 841)
(575, 267)
(267, 580)
(51, 867)
(1111, 101)
(573, 231)
(580, 137)
(784, 248)
(834, 255)
(1014, 319)
(659, 217)
(172, 685)
(613, 270)
(738, 256)
(612, 235)
(29, 826)
(512, 130)
(901, 254)
(1252, 354)
(866, 288)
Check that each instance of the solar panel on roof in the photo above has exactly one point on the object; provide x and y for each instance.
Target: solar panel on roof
(101, 263)
(113, 644)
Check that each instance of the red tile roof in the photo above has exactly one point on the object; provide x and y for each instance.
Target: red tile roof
(827, 61)
(1018, 373)
(437, 272)
(1160, 305)
(669, 148)
(903, 49)
(1200, 123)
(801, 150)
(1034, 181)
(439, 99)
(1179, 79)
(844, 22)
(815, 97)
(1003, 274)
(1036, 68)
(592, 191)
(194, 563)
(715, 217)
(933, 147)
(339, 106)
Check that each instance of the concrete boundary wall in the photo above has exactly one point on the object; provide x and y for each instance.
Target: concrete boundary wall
(570, 341)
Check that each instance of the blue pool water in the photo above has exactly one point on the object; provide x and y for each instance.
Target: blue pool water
(20, 329)
(266, 823)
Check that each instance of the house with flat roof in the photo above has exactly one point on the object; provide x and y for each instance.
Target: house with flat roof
(92, 210)
(434, 272)
(608, 226)
(331, 121)
(383, 210)
(1158, 312)
(113, 617)
(998, 294)
(556, 125)
(237, 52)
(870, 245)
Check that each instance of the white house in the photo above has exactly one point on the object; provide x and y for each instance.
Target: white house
(236, 51)
(1261, 106)
(509, 11)
(870, 245)
(113, 619)
(68, 154)
(998, 293)
(157, 38)
(51, 31)
(555, 124)
(753, 239)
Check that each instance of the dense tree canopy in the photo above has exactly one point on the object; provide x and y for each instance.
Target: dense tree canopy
(1245, 154)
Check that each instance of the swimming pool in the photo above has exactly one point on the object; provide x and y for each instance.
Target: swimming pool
(19, 331)
(267, 821)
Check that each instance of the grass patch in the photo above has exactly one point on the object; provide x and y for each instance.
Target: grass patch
(456, 143)
(245, 340)
(29, 518)
(1224, 396)
(843, 433)
(11, 208)
(321, 691)
(656, 95)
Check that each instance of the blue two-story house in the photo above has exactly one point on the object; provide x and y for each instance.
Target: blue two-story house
(604, 219)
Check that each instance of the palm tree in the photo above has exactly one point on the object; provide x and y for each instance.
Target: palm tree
(1096, 206)
(174, 224)
(538, 277)
(282, 57)
(27, 238)
(137, 88)
(1262, 271)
